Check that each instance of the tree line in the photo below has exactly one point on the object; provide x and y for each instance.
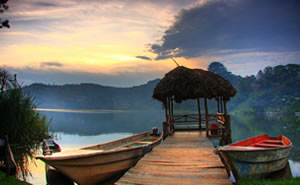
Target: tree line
(271, 89)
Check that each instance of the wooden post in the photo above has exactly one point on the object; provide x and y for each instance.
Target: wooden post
(166, 109)
(218, 102)
(165, 123)
(199, 113)
(227, 136)
(225, 108)
(172, 110)
(170, 106)
(165, 130)
(206, 116)
(221, 104)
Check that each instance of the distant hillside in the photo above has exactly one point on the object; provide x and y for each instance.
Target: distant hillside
(272, 89)
(93, 96)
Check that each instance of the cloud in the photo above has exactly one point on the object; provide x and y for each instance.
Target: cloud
(46, 4)
(232, 25)
(51, 64)
(144, 57)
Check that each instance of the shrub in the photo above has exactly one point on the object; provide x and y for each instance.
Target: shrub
(25, 127)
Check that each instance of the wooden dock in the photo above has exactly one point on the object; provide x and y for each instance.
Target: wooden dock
(183, 158)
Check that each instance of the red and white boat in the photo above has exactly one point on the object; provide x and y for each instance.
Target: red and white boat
(256, 157)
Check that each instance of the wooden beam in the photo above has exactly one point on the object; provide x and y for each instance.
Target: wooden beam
(172, 109)
(218, 104)
(221, 104)
(166, 109)
(227, 135)
(169, 106)
(199, 113)
(225, 108)
(206, 116)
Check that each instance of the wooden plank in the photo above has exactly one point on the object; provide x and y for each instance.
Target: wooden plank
(183, 158)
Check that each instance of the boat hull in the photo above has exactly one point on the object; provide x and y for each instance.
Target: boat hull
(255, 164)
(98, 166)
(256, 157)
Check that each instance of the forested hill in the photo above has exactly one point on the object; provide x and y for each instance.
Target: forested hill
(93, 96)
(271, 89)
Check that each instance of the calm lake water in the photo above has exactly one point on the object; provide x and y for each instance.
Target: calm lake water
(77, 128)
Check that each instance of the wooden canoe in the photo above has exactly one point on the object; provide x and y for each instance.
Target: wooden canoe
(97, 163)
(256, 157)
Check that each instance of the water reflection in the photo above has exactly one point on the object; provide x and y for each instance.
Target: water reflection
(97, 122)
(295, 167)
(70, 141)
(253, 124)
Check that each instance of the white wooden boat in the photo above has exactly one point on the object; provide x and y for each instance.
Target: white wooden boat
(97, 163)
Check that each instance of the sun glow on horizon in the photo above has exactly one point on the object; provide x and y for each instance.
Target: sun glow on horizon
(88, 38)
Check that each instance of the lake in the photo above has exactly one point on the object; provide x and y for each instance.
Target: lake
(77, 128)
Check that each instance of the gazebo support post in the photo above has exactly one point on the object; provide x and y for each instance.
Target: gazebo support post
(166, 109)
(165, 123)
(206, 116)
(172, 110)
(218, 105)
(225, 108)
(199, 113)
(227, 135)
(169, 109)
(221, 104)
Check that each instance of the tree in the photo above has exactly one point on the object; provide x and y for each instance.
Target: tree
(25, 127)
(4, 7)
(259, 75)
(7, 81)
(218, 68)
(221, 70)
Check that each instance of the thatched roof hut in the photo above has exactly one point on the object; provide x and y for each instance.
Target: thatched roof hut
(183, 83)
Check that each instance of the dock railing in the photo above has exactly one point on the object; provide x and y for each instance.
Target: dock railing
(215, 126)
(188, 122)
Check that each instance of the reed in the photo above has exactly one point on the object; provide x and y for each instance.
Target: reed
(24, 127)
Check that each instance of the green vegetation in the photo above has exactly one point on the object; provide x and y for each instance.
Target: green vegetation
(4, 180)
(24, 127)
(273, 89)
(269, 182)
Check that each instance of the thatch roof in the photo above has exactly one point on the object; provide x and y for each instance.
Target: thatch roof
(183, 83)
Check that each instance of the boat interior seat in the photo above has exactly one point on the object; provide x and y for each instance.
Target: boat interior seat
(276, 142)
(143, 142)
(264, 145)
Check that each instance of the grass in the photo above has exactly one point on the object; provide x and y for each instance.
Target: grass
(10, 180)
(293, 181)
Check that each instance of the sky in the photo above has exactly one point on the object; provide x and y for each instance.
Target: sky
(129, 42)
